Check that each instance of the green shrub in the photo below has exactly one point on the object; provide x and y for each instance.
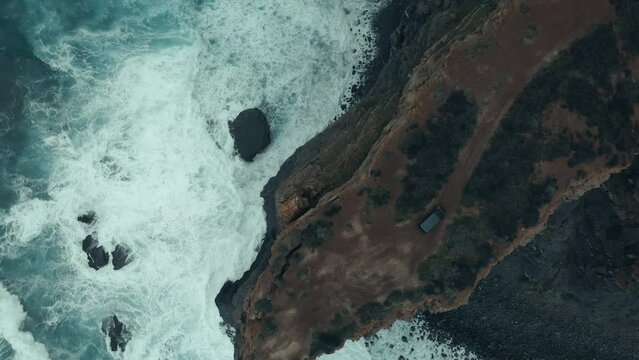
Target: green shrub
(398, 296)
(316, 233)
(263, 306)
(326, 342)
(379, 196)
(628, 15)
(503, 183)
(371, 312)
(269, 328)
(332, 210)
(434, 153)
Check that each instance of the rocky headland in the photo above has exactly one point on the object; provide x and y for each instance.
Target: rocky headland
(502, 112)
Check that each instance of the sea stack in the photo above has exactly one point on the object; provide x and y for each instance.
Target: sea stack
(117, 332)
(251, 133)
(96, 255)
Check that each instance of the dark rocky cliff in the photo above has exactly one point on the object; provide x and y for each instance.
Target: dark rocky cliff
(571, 293)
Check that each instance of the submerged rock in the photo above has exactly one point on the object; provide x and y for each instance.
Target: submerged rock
(87, 218)
(121, 257)
(96, 255)
(117, 332)
(251, 133)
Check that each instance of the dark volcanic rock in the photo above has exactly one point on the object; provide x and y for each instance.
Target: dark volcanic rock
(117, 332)
(571, 293)
(251, 133)
(87, 218)
(121, 257)
(96, 255)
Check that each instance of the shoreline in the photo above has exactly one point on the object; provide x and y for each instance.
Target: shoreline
(536, 292)
(231, 296)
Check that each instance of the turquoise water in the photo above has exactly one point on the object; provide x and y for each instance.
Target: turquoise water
(121, 107)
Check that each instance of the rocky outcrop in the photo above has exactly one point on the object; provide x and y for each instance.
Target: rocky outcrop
(570, 293)
(88, 218)
(117, 333)
(96, 254)
(293, 208)
(121, 256)
(251, 133)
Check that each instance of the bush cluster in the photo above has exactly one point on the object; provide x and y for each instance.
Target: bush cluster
(316, 233)
(433, 153)
(503, 184)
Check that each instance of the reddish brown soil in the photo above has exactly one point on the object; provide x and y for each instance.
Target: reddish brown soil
(369, 255)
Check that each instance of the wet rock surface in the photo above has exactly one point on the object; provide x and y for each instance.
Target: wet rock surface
(121, 257)
(251, 133)
(117, 332)
(570, 293)
(96, 254)
(88, 218)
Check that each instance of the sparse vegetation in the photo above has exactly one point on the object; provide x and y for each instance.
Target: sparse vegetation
(399, 296)
(503, 184)
(464, 252)
(263, 306)
(433, 154)
(316, 233)
(371, 312)
(326, 342)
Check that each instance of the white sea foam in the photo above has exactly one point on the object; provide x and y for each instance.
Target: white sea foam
(142, 139)
(12, 316)
(409, 340)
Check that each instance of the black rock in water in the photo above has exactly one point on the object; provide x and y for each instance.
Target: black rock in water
(96, 255)
(87, 218)
(251, 133)
(120, 257)
(117, 332)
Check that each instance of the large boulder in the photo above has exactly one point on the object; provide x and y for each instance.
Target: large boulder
(87, 218)
(96, 254)
(251, 133)
(117, 332)
(121, 256)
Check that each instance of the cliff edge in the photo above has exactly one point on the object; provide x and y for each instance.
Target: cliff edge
(499, 112)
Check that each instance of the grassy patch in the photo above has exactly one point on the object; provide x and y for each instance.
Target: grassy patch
(628, 14)
(332, 210)
(464, 252)
(326, 342)
(269, 328)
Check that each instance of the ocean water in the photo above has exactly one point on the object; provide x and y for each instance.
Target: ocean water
(121, 107)
(405, 340)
